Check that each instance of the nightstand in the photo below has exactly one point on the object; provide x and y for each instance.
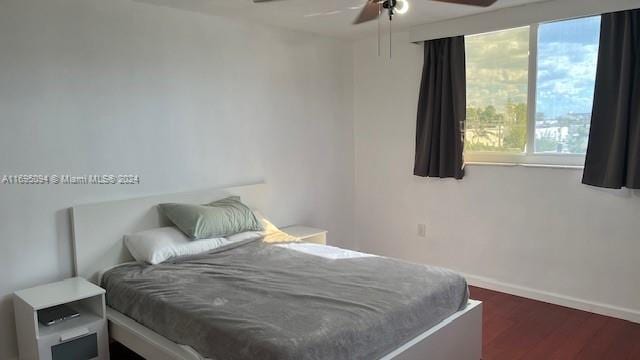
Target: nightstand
(82, 337)
(307, 234)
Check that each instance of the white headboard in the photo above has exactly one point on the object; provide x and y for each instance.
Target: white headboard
(98, 228)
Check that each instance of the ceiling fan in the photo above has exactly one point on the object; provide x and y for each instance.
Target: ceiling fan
(373, 8)
(372, 11)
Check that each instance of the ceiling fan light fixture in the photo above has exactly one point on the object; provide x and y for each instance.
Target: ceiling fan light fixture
(402, 6)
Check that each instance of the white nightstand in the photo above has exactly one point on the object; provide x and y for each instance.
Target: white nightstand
(307, 234)
(83, 337)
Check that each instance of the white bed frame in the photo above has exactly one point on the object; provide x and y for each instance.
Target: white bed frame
(97, 242)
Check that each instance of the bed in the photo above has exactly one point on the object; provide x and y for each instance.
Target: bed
(269, 301)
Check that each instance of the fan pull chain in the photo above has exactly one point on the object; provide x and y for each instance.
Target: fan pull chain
(390, 39)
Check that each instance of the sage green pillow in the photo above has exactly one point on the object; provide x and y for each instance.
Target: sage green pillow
(220, 218)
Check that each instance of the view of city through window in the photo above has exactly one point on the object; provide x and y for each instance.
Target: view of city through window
(567, 61)
(497, 87)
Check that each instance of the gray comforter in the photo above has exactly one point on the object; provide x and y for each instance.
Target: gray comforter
(259, 301)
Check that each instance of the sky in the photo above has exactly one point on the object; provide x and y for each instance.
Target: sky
(567, 60)
(497, 67)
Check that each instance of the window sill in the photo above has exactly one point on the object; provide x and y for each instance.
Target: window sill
(508, 164)
(556, 161)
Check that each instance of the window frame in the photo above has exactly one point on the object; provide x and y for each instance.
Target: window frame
(529, 156)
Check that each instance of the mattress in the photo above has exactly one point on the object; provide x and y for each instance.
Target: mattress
(298, 301)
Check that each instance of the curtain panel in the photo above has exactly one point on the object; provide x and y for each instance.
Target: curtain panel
(613, 154)
(441, 110)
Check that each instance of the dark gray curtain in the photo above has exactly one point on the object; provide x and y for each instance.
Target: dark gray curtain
(441, 110)
(613, 155)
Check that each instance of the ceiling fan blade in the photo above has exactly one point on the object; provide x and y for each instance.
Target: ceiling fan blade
(369, 12)
(483, 3)
(325, 13)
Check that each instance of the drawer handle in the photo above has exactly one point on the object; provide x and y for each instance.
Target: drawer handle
(73, 334)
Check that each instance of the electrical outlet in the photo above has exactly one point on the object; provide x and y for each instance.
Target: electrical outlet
(422, 230)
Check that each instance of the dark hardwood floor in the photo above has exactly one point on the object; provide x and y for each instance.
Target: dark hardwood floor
(520, 328)
(516, 328)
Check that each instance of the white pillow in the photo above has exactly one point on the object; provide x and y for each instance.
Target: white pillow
(157, 245)
(245, 236)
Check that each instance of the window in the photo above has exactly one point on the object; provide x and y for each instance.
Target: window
(530, 93)
(567, 58)
(497, 86)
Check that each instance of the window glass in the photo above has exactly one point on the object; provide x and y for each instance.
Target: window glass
(567, 59)
(497, 81)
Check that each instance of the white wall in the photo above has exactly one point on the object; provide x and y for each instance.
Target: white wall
(184, 100)
(532, 231)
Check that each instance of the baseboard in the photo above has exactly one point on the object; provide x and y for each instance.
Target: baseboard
(553, 298)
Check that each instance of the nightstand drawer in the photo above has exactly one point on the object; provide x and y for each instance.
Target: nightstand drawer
(84, 347)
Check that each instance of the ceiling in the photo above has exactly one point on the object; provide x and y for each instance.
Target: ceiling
(329, 17)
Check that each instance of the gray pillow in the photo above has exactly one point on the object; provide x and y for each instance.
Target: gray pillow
(218, 219)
